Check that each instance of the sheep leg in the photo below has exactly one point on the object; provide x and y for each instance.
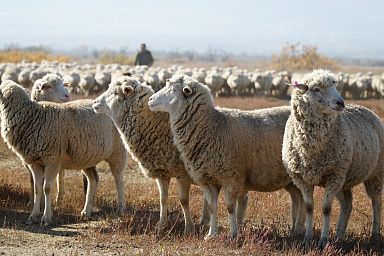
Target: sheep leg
(374, 188)
(230, 199)
(85, 185)
(85, 180)
(345, 199)
(60, 186)
(307, 192)
(204, 219)
(50, 173)
(297, 210)
(184, 187)
(329, 195)
(205, 214)
(92, 181)
(38, 178)
(31, 195)
(117, 172)
(242, 203)
(211, 194)
(163, 185)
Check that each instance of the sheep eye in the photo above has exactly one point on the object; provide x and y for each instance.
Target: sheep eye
(316, 89)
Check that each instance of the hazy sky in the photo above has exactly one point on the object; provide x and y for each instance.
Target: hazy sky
(339, 27)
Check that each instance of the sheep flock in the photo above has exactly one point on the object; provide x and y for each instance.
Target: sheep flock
(88, 79)
(166, 120)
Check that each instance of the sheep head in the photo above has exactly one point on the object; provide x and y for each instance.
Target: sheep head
(122, 94)
(318, 91)
(180, 92)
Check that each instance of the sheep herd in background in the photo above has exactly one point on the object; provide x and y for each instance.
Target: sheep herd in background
(325, 143)
(90, 79)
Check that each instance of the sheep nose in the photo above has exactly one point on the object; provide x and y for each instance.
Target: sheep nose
(340, 103)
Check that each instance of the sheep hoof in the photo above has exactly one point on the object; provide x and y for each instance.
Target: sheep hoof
(307, 241)
(30, 204)
(298, 231)
(161, 226)
(204, 221)
(210, 237)
(120, 211)
(233, 236)
(189, 230)
(46, 221)
(322, 243)
(32, 219)
(85, 216)
(375, 238)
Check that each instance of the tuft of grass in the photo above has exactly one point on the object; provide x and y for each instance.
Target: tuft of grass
(304, 57)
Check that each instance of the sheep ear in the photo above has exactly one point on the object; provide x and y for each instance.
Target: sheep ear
(45, 86)
(302, 87)
(187, 90)
(127, 90)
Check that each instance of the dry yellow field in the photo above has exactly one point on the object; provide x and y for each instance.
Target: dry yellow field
(265, 232)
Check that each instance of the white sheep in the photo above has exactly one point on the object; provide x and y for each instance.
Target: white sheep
(74, 137)
(229, 148)
(337, 147)
(87, 83)
(23, 77)
(149, 140)
(214, 80)
(73, 79)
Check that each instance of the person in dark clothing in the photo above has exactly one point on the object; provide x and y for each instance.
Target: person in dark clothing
(144, 57)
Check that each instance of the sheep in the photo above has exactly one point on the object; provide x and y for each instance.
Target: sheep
(238, 83)
(342, 83)
(238, 150)
(334, 146)
(378, 85)
(102, 79)
(214, 81)
(262, 82)
(87, 82)
(358, 86)
(148, 138)
(151, 78)
(163, 75)
(199, 75)
(23, 77)
(74, 137)
(36, 74)
(53, 88)
(10, 73)
(279, 84)
(73, 79)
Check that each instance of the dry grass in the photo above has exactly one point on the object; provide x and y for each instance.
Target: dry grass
(266, 231)
(304, 57)
(17, 56)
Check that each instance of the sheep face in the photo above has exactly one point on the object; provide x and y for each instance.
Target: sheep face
(121, 95)
(319, 92)
(51, 90)
(180, 91)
